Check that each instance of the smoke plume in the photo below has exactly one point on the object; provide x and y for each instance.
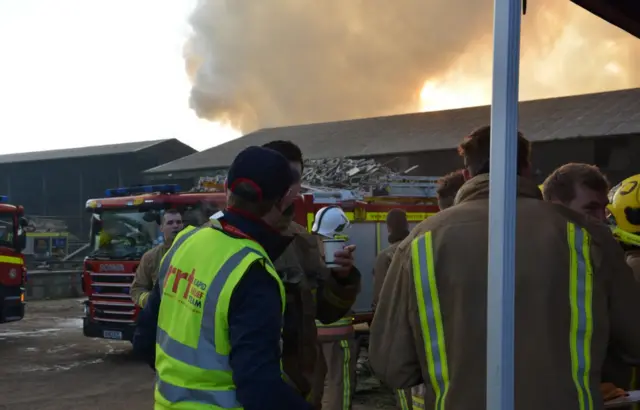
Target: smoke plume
(268, 63)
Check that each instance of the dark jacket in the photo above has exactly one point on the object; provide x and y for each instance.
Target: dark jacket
(255, 323)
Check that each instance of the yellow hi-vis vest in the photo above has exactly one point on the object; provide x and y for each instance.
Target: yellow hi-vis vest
(198, 275)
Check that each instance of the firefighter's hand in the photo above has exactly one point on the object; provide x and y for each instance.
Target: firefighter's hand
(344, 258)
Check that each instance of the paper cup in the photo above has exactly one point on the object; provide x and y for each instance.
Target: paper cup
(331, 246)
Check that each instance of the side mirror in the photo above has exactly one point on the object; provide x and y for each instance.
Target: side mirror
(23, 222)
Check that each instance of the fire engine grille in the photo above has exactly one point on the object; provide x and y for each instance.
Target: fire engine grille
(110, 298)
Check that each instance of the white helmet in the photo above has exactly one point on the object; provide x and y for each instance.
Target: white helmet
(330, 221)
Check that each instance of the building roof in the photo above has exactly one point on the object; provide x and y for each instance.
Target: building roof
(589, 115)
(98, 150)
(622, 13)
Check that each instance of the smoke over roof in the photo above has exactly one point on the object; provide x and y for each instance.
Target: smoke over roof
(272, 63)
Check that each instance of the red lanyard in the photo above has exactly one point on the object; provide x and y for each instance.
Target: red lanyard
(234, 231)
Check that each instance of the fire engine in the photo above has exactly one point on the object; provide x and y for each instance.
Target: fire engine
(125, 225)
(13, 273)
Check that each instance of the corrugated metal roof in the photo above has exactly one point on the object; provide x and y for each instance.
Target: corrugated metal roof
(97, 150)
(589, 115)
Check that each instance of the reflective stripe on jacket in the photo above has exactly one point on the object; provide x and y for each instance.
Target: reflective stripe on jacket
(192, 359)
(338, 330)
(580, 300)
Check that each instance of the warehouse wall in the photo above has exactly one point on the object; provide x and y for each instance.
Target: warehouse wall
(60, 188)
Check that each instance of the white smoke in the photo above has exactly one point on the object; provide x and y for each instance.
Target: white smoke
(265, 63)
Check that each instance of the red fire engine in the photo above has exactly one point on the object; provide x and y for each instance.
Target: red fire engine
(125, 225)
(13, 273)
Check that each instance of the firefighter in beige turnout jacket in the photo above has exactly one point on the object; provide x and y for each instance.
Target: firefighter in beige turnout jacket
(398, 228)
(573, 290)
(315, 295)
(147, 271)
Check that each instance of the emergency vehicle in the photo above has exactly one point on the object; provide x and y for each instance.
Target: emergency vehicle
(368, 214)
(125, 225)
(13, 273)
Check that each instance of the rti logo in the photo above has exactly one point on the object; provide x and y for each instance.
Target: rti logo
(194, 289)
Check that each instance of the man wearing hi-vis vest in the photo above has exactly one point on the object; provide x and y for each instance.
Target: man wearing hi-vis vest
(573, 294)
(220, 301)
(316, 296)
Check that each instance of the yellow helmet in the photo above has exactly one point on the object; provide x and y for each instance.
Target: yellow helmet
(624, 209)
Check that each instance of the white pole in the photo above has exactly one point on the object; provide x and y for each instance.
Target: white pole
(502, 205)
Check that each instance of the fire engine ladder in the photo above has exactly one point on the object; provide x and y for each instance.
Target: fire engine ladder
(406, 186)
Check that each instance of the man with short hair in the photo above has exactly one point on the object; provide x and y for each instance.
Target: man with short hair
(318, 304)
(219, 310)
(573, 292)
(581, 187)
(147, 270)
(448, 187)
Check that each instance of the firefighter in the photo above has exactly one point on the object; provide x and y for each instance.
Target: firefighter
(446, 191)
(398, 228)
(147, 270)
(448, 187)
(219, 280)
(573, 290)
(626, 228)
(316, 296)
(581, 187)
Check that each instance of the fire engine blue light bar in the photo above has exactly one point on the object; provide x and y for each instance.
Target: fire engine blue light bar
(143, 189)
(4, 198)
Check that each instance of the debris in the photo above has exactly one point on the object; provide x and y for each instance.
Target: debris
(345, 173)
(363, 177)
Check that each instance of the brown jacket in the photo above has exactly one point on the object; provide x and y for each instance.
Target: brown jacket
(312, 293)
(146, 274)
(550, 314)
(383, 261)
(616, 370)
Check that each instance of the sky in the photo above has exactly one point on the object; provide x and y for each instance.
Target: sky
(92, 72)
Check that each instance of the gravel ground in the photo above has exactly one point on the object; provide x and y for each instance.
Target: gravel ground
(47, 364)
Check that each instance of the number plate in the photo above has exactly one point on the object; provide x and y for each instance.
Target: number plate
(112, 334)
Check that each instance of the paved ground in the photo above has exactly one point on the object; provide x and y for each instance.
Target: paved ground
(46, 364)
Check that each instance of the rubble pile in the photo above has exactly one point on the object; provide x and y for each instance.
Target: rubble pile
(345, 173)
(361, 176)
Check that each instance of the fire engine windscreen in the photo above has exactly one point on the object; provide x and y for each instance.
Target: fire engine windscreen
(6, 229)
(120, 234)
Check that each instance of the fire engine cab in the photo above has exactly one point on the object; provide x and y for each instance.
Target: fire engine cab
(125, 225)
(13, 273)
